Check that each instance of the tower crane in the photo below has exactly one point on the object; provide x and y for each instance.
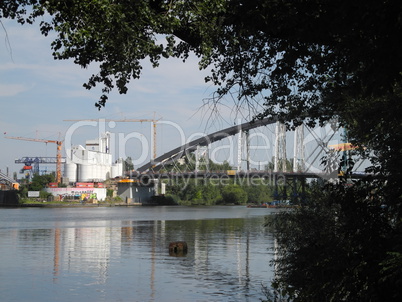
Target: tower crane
(154, 121)
(58, 154)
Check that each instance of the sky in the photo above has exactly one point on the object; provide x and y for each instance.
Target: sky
(38, 94)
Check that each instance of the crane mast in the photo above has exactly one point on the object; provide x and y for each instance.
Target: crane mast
(58, 152)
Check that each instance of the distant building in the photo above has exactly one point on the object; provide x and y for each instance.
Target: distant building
(92, 163)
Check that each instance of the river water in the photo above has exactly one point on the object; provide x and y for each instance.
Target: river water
(121, 254)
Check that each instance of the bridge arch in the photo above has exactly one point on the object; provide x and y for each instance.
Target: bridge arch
(203, 141)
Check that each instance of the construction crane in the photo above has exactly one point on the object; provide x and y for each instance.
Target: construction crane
(58, 154)
(154, 121)
(36, 160)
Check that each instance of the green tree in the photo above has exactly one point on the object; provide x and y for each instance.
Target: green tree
(23, 191)
(128, 164)
(188, 191)
(252, 46)
(210, 194)
(188, 164)
(258, 193)
(271, 165)
(224, 166)
(41, 181)
(348, 67)
(334, 248)
(308, 61)
(234, 194)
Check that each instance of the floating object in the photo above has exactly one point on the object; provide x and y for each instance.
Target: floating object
(178, 248)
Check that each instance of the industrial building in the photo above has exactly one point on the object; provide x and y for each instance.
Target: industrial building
(86, 168)
(92, 163)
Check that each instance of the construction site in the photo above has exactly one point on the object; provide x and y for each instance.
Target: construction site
(85, 173)
(79, 175)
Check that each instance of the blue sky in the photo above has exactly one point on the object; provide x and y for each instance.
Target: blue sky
(37, 93)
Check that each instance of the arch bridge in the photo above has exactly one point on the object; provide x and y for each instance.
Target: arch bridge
(190, 160)
(197, 151)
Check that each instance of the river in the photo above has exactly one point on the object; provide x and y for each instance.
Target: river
(121, 254)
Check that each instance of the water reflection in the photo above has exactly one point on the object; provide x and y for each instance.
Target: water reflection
(227, 259)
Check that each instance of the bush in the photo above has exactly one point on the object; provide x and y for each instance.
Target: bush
(336, 247)
(234, 194)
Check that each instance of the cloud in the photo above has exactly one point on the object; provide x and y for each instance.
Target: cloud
(171, 77)
(38, 92)
(7, 90)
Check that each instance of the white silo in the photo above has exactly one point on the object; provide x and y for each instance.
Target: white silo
(117, 168)
(120, 167)
(105, 170)
(70, 172)
(85, 173)
(97, 172)
(108, 172)
(114, 171)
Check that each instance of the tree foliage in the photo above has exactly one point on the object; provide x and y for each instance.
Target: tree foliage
(128, 164)
(215, 191)
(310, 60)
(310, 57)
(234, 194)
(337, 248)
(41, 181)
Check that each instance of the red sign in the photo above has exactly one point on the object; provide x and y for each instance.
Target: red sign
(84, 184)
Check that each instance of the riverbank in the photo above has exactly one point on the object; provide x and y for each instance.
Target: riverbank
(109, 202)
(75, 205)
(8, 198)
(66, 205)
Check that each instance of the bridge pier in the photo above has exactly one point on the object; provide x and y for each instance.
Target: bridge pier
(134, 191)
(298, 190)
(298, 150)
(295, 185)
(202, 158)
(280, 147)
